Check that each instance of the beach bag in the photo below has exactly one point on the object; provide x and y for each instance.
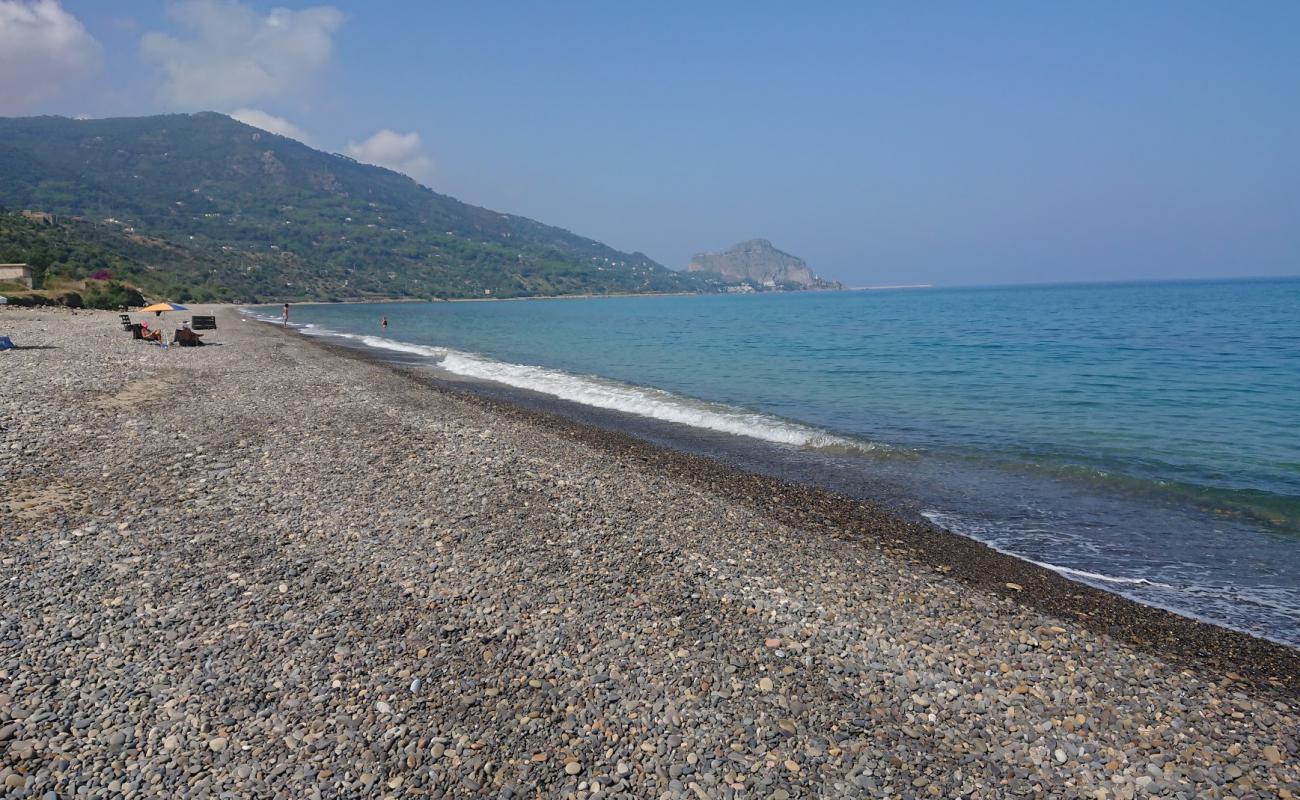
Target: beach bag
(6, 343)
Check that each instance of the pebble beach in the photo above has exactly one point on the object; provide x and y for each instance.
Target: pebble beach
(272, 569)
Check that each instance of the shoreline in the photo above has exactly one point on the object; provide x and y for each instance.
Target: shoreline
(1205, 645)
(384, 300)
(274, 567)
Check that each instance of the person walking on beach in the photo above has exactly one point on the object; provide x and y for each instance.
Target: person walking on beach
(383, 324)
(284, 316)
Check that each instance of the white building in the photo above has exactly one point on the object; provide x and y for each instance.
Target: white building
(16, 273)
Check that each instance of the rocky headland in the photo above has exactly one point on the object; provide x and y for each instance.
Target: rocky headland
(758, 262)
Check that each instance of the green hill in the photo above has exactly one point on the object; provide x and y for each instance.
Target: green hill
(99, 263)
(203, 207)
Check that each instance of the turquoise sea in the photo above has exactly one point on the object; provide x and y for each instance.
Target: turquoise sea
(1143, 438)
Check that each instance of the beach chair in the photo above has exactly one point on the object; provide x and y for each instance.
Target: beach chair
(141, 330)
(126, 321)
(187, 338)
(199, 322)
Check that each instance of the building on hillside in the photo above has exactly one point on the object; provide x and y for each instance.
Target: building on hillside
(16, 273)
(40, 216)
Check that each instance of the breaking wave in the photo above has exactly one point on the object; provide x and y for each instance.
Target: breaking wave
(611, 395)
(646, 402)
(380, 343)
(957, 525)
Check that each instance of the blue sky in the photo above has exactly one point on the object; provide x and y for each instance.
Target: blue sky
(950, 143)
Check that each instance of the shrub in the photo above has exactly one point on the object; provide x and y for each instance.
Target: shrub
(112, 295)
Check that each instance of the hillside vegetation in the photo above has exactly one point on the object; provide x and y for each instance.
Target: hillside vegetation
(73, 255)
(202, 207)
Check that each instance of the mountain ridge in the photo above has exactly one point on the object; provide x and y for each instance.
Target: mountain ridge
(267, 217)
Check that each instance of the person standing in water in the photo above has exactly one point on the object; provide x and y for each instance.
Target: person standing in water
(383, 324)
(284, 316)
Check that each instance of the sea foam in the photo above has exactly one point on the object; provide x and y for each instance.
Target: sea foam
(645, 402)
(957, 525)
(609, 395)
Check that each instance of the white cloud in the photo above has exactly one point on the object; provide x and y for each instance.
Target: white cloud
(236, 55)
(41, 47)
(271, 123)
(397, 151)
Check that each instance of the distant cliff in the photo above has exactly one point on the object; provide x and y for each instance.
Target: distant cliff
(758, 262)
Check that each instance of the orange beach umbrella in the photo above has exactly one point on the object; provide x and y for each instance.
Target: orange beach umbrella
(158, 309)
